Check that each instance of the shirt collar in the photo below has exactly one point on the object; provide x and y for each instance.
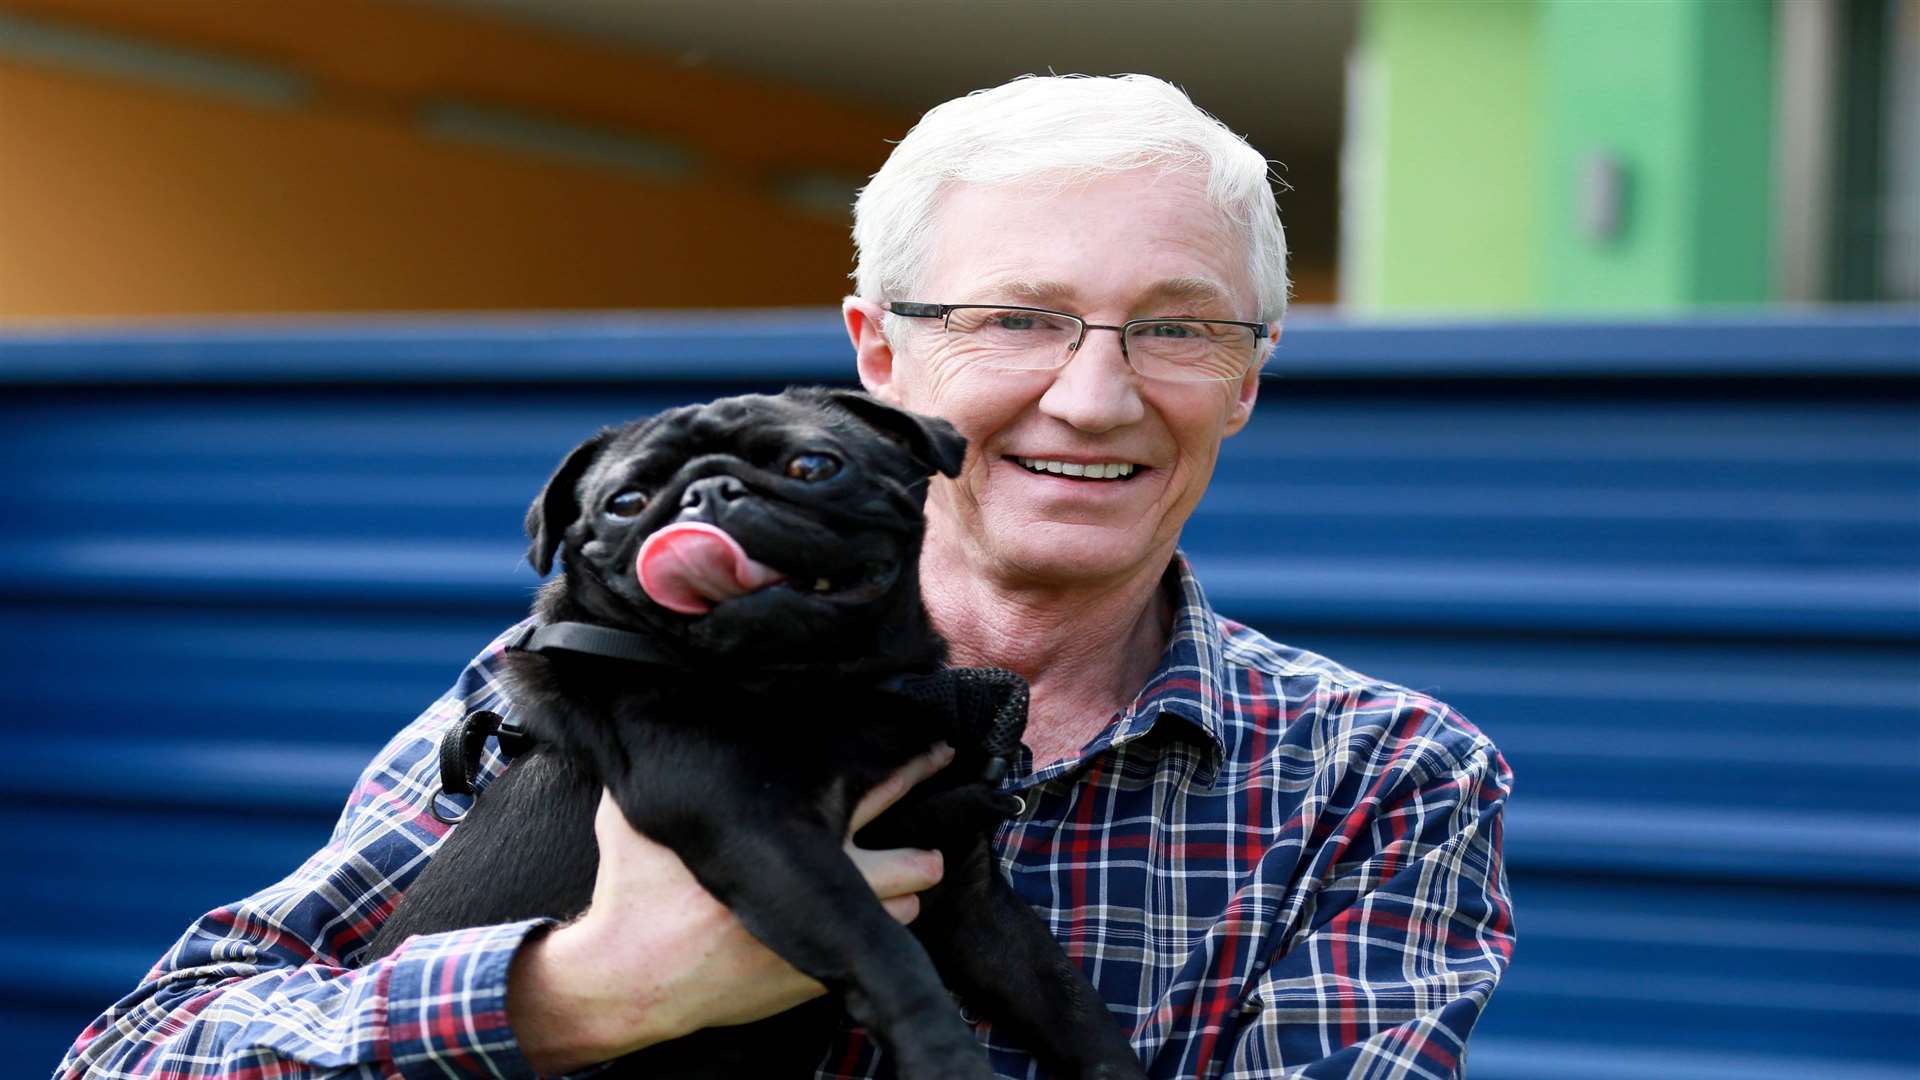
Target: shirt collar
(1188, 684)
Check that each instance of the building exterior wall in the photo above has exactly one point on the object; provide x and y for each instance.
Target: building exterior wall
(1680, 95)
(376, 157)
(1570, 155)
(1459, 82)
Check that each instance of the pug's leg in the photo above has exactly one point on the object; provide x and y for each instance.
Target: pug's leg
(767, 855)
(793, 887)
(999, 955)
(762, 849)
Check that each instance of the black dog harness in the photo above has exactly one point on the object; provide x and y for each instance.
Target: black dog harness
(966, 694)
(464, 742)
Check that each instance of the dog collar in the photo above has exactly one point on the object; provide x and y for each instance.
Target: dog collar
(612, 644)
(990, 704)
(594, 641)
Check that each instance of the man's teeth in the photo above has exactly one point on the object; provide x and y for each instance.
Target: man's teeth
(1110, 470)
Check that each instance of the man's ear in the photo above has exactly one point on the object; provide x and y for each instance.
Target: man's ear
(558, 505)
(1248, 389)
(932, 441)
(872, 353)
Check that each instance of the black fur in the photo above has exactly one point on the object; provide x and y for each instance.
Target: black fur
(748, 754)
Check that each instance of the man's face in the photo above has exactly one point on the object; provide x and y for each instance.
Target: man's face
(1130, 246)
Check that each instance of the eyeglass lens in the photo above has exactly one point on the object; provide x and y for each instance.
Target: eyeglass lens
(1027, 340)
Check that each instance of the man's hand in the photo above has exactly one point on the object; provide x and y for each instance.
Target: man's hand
(655, 956)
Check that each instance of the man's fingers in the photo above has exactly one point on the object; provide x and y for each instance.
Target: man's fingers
(904, 909)
(889, 791)
(898, 871)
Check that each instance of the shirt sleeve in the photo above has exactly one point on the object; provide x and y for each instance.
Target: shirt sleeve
(1411, 929)
(266, 986)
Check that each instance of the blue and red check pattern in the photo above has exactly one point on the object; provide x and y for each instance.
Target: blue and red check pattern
(1271, 866)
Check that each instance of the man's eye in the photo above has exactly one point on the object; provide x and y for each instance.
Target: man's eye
(1007, 324)
(1170, 330)
(627, 503)
(811, 467)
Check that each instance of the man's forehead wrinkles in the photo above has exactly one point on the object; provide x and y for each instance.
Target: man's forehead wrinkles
(1030, 290)
(1189, 289)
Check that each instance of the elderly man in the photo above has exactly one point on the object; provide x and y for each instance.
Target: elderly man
(1267, 863)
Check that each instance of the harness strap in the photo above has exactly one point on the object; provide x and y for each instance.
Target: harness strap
(464, 742)
(594, 641)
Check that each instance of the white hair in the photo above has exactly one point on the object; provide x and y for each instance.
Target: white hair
(1062, 128)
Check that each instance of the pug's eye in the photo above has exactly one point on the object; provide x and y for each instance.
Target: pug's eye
(627, 503)
(811, 467)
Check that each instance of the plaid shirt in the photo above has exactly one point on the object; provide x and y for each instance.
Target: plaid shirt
(1269, 864)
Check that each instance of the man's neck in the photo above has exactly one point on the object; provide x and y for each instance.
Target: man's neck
(1086, 651)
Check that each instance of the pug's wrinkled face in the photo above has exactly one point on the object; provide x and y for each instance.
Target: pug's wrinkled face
(783, 529)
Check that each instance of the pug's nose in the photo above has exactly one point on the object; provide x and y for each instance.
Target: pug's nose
(708, 496)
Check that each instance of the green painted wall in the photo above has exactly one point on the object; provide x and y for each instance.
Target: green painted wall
(1679, 92)
(1460, 165)
(1734, 175)
(1488, 113)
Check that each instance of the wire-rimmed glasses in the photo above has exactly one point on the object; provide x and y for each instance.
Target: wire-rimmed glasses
(1013, 338)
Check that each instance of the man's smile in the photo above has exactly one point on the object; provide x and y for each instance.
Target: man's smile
(1084, 470)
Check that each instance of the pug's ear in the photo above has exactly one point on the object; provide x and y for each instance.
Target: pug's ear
(557, 505)
(932, 441)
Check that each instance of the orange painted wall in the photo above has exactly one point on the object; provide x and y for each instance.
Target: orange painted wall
(120, 198)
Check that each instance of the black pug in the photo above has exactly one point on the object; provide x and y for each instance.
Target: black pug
(736, 647)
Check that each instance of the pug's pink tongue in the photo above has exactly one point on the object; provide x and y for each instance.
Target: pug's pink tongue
(691, 566)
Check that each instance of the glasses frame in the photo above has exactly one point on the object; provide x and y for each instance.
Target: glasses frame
(914, 309)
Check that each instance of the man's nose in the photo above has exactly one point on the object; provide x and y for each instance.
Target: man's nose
(708, 496)
(1095, 390)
